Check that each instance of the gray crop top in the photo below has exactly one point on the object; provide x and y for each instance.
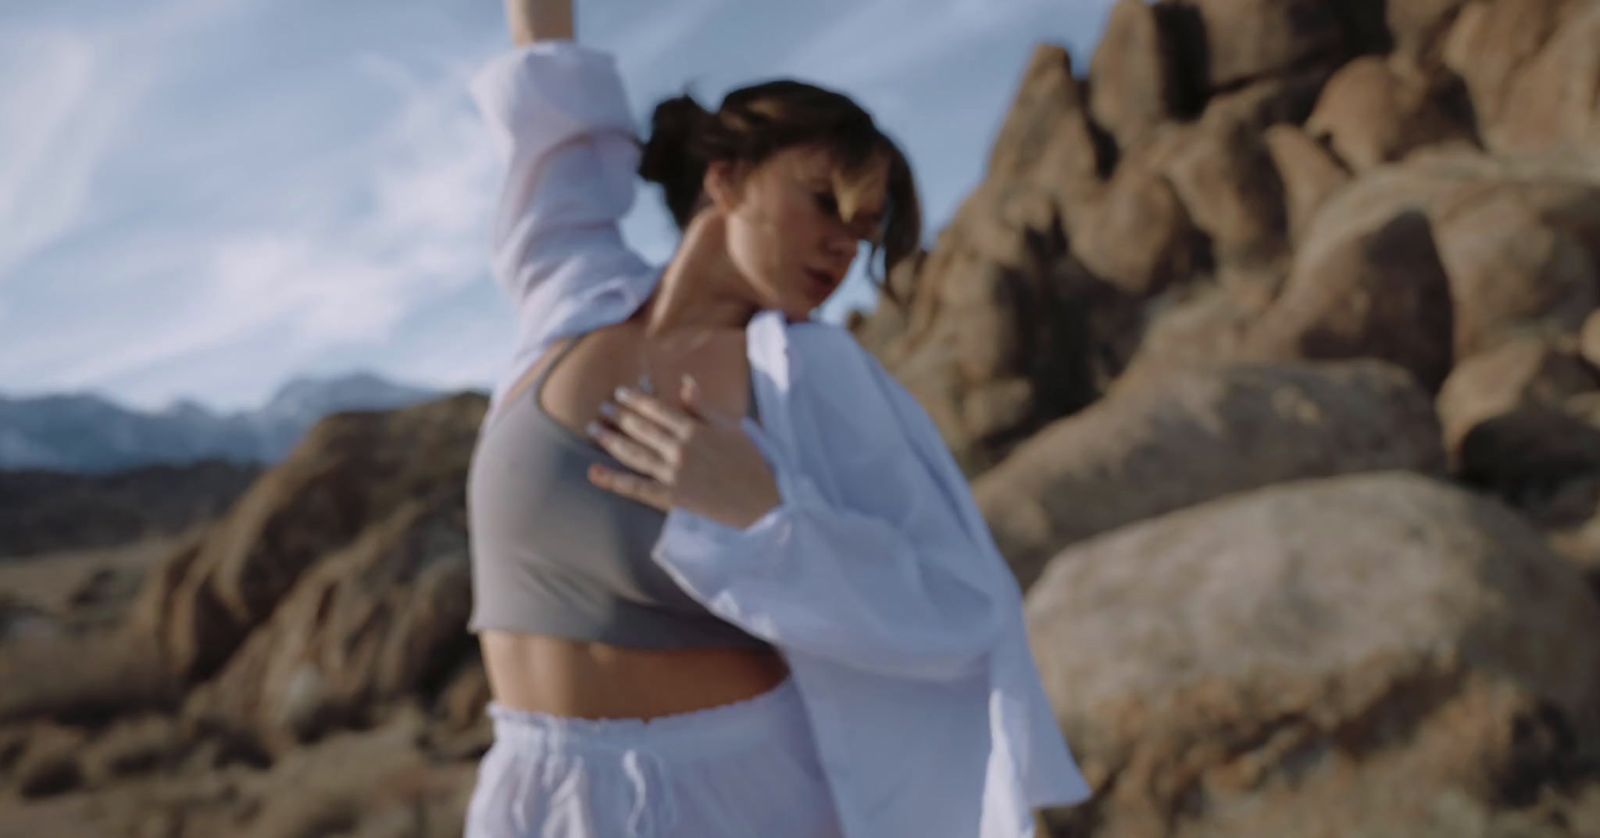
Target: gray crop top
(552, 553)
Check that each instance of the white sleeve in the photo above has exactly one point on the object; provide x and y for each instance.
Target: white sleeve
(558, 117)
(887, 577)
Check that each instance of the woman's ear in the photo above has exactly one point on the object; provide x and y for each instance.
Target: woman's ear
(724, 184)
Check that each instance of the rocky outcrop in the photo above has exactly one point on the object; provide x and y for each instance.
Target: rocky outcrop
(979, 342)
(330, 600)
(1325, 238)
(351, 471)
(374, 623)
(1383, 650)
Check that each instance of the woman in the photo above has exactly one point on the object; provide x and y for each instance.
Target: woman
(638, 687)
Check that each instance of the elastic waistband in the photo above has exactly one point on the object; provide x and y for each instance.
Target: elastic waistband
(726, 727)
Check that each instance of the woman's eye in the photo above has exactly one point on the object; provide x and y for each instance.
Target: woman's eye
(827, 203)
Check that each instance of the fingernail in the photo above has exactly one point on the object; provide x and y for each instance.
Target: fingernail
(608, 410)
(622, 393)
(593, 428)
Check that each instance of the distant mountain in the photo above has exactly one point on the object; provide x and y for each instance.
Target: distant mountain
(89, 434)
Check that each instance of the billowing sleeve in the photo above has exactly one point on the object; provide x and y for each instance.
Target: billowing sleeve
(877, 565)
(558, 118)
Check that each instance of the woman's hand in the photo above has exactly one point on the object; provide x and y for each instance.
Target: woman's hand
(691, 458)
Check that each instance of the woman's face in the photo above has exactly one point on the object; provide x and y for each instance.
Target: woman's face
(785, 231)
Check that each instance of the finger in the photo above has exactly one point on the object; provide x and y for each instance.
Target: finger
(633, 454)
(631, 486)
(674, 420)
(666, 446)
(694, 403)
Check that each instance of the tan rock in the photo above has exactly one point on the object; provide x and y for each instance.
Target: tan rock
(1308, 172)
(132, 746)
(1046, 137)
(1155, 446)
(1228, 184)
(1517, 236)
(1201, 327)
(991, 299)
(1589, 340)
(1372, 112)
(351, 469)
(1135, 84)
(1504, 414)
(82, 678)
(1553, 102)
(1242, 40)
(1348, 656)
(1139, 238)
(1519, 254)
(1488, 44)
(1418, 25)
(1378, 292)
(1270, 101)
(366, 626)
(49, 764)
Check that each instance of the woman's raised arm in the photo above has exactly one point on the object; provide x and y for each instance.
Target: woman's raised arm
(539, 20)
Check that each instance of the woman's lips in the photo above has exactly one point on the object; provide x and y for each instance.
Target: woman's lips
(824, 281)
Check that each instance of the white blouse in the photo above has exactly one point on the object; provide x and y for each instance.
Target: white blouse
(876, 576)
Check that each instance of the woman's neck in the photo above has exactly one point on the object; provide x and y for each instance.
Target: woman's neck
(700, 287)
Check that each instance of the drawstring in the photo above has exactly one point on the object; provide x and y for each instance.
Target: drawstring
(647, 774)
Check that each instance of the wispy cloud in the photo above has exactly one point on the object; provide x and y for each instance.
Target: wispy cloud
(201, 199)
(59, 129)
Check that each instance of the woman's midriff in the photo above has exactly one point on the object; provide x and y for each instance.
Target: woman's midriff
(582, 679)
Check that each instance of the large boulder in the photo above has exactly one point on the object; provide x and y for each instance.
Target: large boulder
(1376, 654)
(1153, 447)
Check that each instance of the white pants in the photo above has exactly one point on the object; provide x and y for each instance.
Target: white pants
(734, 771)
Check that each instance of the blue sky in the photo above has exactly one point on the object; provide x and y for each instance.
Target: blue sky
(202, 199)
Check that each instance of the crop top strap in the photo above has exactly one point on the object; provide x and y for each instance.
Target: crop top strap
(537, 387)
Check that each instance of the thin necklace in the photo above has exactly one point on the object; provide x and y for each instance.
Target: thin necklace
(646, 377)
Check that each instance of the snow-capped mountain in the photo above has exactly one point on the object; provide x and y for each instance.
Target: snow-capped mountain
(87, 433)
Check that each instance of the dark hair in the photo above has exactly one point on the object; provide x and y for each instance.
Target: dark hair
(757, 121)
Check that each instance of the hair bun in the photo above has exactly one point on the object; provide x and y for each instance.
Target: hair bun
(671, 155)
(670, 149)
